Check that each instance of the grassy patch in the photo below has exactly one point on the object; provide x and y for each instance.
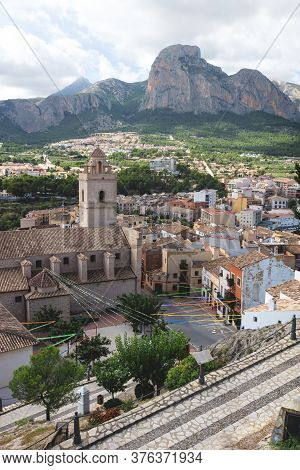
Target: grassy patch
(33, 435)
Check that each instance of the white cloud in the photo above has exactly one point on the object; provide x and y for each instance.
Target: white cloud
(105, 38)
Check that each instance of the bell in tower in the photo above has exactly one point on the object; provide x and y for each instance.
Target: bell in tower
(97, 192)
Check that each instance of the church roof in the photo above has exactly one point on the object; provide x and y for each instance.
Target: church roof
(22, 243)
(42, 280)
(12, 280)
(98, 153)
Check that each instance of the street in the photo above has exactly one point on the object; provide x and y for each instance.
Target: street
(197, 321)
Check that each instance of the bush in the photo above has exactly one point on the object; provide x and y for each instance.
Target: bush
(186, 371)
(128, 405)
(100, 416)
(213, 365)
(144, 391)
(288, 444)
(112, 403)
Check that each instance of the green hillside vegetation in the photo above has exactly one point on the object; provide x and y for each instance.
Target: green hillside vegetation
(139, 179)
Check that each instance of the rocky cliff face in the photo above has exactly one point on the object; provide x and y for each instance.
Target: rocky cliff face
(180, 80)
(184, 82)
(291, 90)
(38, 115)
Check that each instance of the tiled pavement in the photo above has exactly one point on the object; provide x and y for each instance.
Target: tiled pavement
(217, 417)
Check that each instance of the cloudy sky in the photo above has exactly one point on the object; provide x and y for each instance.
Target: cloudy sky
(120, 38)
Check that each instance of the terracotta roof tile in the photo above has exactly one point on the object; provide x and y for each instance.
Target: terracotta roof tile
(98, 275)
(289, 288)
(12, 280)
(44, 295)
(19, 244)
(42, 280)
(249, 258)
(13, 335)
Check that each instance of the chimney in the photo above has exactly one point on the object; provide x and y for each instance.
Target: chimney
(109, 265)
(272, 305)
(55, 264)
(26, 268)
(82, 267)
(215, 251)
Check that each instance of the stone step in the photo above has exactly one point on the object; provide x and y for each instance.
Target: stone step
(153, 432)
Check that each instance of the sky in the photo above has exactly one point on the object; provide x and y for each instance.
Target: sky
(100, 39)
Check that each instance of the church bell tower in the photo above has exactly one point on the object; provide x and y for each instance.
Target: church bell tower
(97, 193)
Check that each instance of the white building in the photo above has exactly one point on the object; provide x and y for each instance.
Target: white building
(249, 217)
(209, 196)
(282, 302)
(164, 163)
(16, 348)
(278, 202)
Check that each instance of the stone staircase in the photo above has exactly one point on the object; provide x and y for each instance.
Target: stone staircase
(236, 401)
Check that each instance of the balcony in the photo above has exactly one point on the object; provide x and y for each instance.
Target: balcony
(183, 277)
(183, 266)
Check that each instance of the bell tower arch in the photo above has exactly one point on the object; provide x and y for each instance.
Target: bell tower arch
(97, 192)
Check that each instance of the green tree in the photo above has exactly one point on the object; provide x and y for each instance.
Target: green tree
(112, 374)
(74, 326)
(140, 310)
(183, 373)
(49, 380)
(47, 313)
(92, 349)
(149, 358)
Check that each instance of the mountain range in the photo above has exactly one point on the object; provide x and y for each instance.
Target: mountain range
(180, 81)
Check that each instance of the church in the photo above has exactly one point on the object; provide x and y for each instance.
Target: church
(98, 253)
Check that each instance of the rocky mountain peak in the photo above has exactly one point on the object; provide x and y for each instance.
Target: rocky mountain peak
(75, 87)
(181, 80)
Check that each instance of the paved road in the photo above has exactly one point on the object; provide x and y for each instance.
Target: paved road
(196, 321)
(221, 416)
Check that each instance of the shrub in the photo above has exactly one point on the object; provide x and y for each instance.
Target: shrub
(186, 371)
(100, 416)
(288, 444)
(128, 405)
(112, 403)
(213, 365)
(110, 414)
(145, 390)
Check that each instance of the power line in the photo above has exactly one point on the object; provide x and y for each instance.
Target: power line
(68, 104)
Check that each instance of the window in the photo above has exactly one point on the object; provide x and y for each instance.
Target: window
(144, 237)
(199, 281)
(196, 273)
(255, 319)
(175, 275)
(82, 195)
(118, 256)
(66, 260)
(101, 196)
(18, 299)
(238, 281)
(174, 287)
(221, 272)
(92, 258)
(38, 263)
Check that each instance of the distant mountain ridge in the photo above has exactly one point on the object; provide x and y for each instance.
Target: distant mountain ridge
(180, 80)
(76, 87)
